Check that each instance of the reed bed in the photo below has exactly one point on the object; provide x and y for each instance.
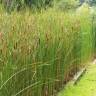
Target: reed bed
(40, 53)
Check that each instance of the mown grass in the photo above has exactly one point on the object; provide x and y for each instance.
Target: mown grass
(40, 52)
(85, 87)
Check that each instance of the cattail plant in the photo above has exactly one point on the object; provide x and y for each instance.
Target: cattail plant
(41, 52)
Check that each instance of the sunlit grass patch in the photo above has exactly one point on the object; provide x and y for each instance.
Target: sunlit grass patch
(85, 87)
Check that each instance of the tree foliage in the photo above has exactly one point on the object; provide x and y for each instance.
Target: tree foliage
(18, 4)
(38, 4)
(92, 2)
(67, 4)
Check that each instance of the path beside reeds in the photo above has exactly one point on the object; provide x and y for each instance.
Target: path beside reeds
(85, 87)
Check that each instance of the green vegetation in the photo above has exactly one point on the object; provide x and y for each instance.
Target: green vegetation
(91, 2)
(66, 5)
(41, 51)
(11, 5)
(85, 87)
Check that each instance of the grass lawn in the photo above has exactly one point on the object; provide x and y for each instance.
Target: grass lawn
(85, 87)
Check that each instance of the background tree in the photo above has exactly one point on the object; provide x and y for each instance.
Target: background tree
(91, 2)
(67, 4)
(17, 4)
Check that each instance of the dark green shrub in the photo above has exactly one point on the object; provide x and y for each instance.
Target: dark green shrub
(11, 5)
(67, 4)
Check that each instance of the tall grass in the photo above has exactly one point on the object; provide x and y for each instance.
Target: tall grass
(40, 52)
